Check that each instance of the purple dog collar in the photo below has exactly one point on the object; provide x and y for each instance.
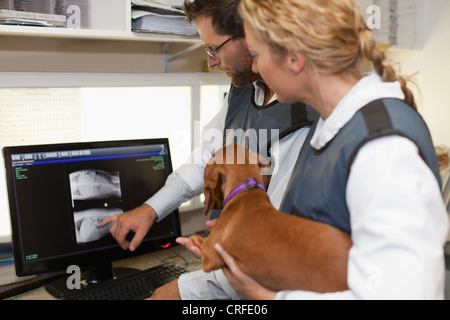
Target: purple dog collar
(249, 184)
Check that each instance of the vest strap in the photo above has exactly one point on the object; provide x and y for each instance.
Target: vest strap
(378, 124)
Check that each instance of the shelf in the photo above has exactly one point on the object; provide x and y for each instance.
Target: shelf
(87, 34)
(112, 24)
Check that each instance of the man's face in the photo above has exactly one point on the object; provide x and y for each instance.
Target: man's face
(233, 58)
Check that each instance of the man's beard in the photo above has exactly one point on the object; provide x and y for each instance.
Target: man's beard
(242, 74)
(244, 78)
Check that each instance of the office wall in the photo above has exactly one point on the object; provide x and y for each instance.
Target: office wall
(433, 67)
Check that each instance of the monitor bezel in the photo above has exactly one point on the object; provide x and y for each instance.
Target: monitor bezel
(88, 258)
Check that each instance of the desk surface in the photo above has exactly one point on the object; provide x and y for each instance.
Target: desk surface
(176, 255)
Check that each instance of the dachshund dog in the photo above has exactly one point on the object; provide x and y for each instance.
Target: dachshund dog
(279, 251)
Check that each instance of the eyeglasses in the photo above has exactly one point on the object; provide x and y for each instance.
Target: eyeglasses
(211, 51)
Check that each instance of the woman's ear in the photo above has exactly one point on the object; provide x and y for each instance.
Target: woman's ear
(295, 61)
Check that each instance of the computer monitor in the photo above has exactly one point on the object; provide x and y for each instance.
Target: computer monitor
(59, 193)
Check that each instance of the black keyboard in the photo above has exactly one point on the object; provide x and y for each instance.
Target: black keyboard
(136, 286)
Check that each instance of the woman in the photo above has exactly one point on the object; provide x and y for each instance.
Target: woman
(368, 166)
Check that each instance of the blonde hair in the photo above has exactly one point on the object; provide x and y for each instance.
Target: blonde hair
(443, 157)
(331, 34)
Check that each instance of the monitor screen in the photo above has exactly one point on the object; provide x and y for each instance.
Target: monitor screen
(58, 194)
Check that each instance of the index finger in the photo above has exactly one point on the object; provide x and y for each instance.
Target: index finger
(108, 220)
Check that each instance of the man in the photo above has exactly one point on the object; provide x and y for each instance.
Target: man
(250, 105)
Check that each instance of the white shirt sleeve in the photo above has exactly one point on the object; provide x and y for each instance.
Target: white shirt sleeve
(399, 226)
(187, 181)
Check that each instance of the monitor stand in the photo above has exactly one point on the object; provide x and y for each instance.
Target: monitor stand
(93, 275)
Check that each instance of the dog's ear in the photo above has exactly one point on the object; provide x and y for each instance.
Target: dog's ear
(212, 188)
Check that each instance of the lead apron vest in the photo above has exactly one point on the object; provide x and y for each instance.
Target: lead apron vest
(258, 127)
(318, 185)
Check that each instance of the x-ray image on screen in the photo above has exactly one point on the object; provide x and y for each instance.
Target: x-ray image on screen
(87, 222)
(96, 195)
(94, 184)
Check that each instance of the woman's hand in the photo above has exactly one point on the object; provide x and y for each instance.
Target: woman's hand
(242, 283)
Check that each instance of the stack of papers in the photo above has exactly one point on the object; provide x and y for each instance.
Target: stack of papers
(7, 268)
(152, 16)
(41, 6)
(6, 256)
(6, 262)
(173, 3)
(23, 18)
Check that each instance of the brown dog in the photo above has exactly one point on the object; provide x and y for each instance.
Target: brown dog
(280, 251)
